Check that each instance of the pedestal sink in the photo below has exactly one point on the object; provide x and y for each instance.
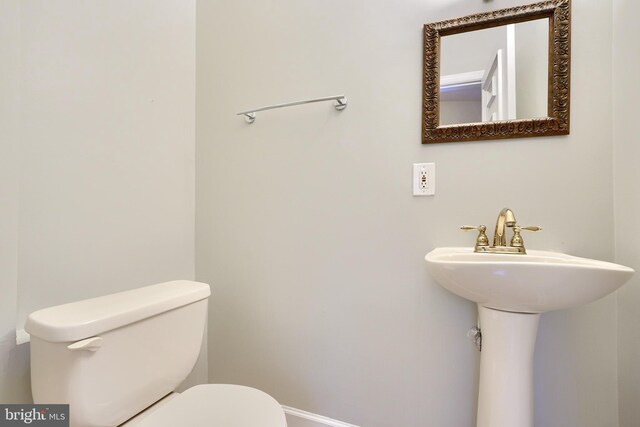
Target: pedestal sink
(511, 291)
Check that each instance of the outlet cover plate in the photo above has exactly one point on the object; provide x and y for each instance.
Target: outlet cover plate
(424, 179)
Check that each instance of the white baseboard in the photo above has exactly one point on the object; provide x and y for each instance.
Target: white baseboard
(314, 418)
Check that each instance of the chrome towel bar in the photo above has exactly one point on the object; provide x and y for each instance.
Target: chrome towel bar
(339, 104)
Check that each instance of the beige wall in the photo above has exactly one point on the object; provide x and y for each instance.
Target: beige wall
(626, 92)
(14, 361)
(107, 169)
(106, 153)
(308, 232)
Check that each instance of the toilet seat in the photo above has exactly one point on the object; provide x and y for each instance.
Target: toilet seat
(218, 405)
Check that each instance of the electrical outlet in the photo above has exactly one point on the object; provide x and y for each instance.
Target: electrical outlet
(424, 179)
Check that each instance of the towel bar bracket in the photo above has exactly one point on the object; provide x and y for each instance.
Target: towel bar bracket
(341, 103)
(249, 117)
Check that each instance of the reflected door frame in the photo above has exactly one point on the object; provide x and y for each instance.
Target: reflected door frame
(499, 83)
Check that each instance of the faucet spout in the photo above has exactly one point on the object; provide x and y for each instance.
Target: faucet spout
(505, 219)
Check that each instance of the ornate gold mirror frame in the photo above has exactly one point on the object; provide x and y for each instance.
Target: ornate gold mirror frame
(557, 123)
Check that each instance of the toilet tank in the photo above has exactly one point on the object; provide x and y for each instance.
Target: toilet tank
(113, 356)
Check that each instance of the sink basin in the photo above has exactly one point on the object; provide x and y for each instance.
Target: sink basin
(533, 283)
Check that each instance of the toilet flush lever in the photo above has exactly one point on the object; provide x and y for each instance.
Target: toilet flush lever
(89, 344)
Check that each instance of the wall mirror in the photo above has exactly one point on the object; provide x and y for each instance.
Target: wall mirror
(501, 74)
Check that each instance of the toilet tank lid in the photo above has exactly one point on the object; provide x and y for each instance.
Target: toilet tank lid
(90, 317)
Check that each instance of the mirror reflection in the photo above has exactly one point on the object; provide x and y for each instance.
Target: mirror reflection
(495, 74)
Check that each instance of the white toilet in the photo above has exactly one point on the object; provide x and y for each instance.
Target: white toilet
(119, 358)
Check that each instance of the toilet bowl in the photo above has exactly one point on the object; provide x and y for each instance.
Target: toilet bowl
(118, 359)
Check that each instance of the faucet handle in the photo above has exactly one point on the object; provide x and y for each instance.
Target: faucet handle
(482, 239)
(471, 227)
(516, 240)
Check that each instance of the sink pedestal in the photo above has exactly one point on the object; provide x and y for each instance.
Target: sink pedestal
(505, 398)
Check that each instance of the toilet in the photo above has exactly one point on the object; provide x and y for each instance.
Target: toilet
(118, 359)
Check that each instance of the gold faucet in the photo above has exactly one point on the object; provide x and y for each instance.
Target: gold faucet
(505, 219)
